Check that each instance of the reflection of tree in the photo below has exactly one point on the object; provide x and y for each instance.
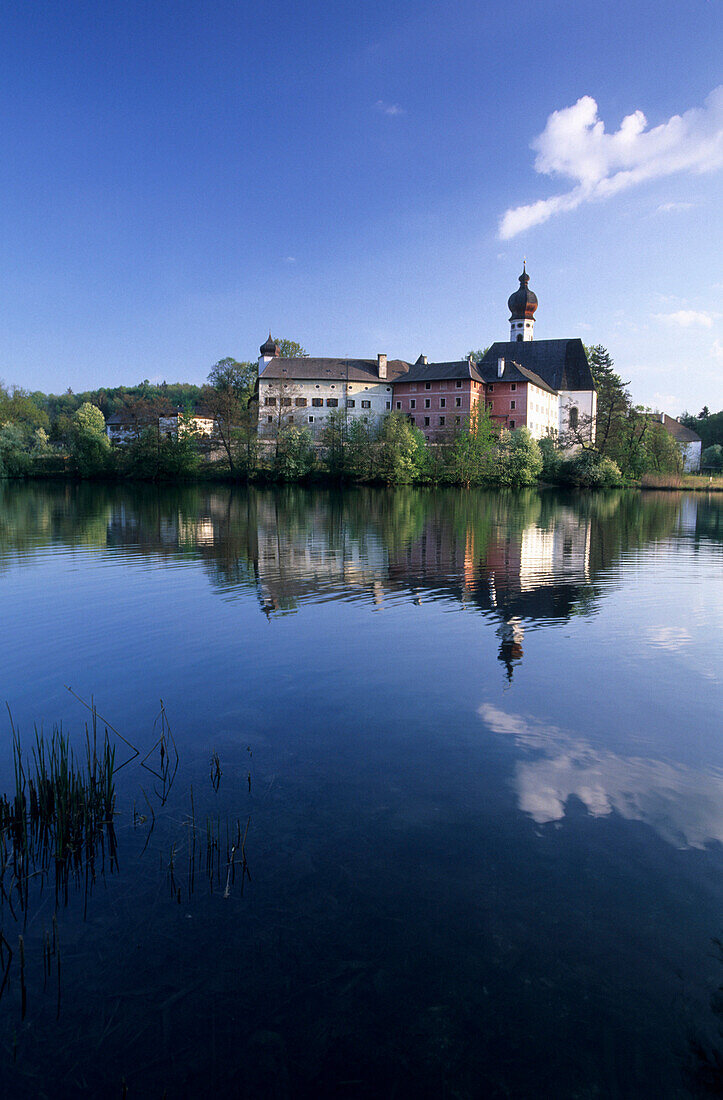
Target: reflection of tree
(520, 558)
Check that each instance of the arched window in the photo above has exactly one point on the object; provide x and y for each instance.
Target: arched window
(520, 336)
(572, 419)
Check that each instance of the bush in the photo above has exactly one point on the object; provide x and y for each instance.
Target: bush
(516, 461)
(295, 456)
(590, 470)
(551, 459)
(712, 458)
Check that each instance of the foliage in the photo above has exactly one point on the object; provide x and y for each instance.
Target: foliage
(289, 349)
(708, 425)
(517, 460)
(295, 457)
(469, 460)
(590, 470)
(89, 445)
(20, 407)
(398, 450)
(478, 355)
(551, 459)
(154, 457)
(712, 457)
(227, 395)
(333, 439)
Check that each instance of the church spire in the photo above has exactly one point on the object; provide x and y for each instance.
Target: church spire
(522, 305)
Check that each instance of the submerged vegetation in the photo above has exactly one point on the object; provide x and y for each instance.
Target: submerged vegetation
(58, 826)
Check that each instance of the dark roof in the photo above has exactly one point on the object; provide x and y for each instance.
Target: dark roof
(678, 431)
(204, 414)
(562, 364)
(523, 302)
(270, 347)
(513, 372)
(432, 372)
(356, 370)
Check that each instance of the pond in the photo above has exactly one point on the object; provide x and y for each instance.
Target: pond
(427, 800)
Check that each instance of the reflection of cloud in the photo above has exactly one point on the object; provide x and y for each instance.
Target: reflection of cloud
(668, 637)
(685, 807)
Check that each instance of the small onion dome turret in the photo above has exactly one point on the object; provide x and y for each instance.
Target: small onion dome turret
(270, 348)
(523, 303)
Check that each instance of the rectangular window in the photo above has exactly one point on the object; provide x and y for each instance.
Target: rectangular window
(412, 420)
(269, 419)
(389, 404)
(441, 421)
(491, 389)
(350, 403)
(513, 385)
(399, 404)
(317, 402)
(458, 402)
(457, 419)
(427, 403)
(427, 385)
(513, 404)
(286, 401)
(426, 421)
(270, 400)
(366, 404)
(332, 402)
(291, 420)
(459, 383)
(512, 423)
(412, 404)
(300, 402)
(311, 419)
(443, 402)
(490, 405)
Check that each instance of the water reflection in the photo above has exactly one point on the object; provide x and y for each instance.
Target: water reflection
(684, 806)
(522, 560)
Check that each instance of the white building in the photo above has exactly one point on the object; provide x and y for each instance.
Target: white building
(303, 392)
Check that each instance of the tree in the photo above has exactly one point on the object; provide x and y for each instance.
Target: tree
(89, 444)
(478, 355)
(399, 450)
(289, 349)
(469, 458)
(517, 459)
(295, 455)
(712, 458)
(227, 395)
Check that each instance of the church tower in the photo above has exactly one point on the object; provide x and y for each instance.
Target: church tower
(522, 305)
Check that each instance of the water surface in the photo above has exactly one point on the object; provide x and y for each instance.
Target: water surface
(482, 738)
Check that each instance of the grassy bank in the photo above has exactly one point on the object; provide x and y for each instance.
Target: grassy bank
(686, 482)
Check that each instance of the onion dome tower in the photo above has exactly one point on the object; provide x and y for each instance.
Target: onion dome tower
(522, 305)
(270, 349)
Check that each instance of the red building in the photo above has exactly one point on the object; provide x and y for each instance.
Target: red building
(439, 397)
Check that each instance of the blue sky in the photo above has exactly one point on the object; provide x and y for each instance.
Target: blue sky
(179, 177)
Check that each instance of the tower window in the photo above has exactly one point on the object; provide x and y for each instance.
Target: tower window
(520, 336)
(573, 418)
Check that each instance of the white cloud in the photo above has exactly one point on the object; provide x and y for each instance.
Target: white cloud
(666, 401)
(574, 144)
(670, 207)
(687, 318)
(389, 108)
(289, 259)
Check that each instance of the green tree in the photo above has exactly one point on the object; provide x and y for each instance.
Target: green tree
(398, 450)
(712, 457)
(227, 396)
(295, 456)
(289, 349)
(472, 448)
(89, 444)
(517, 459)
(477, 355)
